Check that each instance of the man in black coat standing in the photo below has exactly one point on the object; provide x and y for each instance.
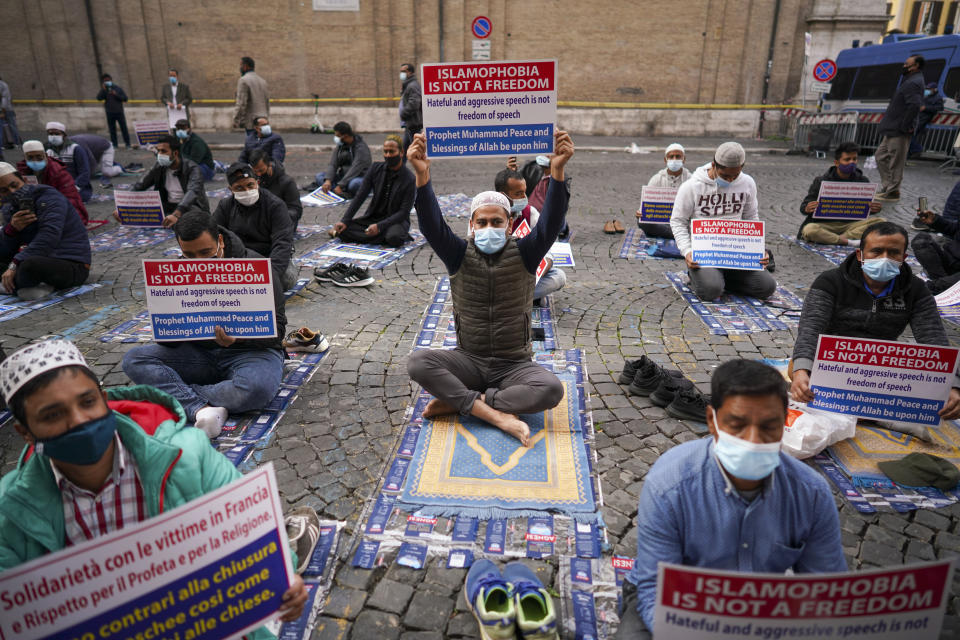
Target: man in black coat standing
(387, 219)
(411, 113)
(897, 127)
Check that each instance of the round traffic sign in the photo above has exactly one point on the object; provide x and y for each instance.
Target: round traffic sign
(825, 70)
(481, 27)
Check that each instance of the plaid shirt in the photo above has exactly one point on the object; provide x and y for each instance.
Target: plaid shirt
(120, 502)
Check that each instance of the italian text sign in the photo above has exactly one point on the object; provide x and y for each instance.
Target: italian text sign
(148, 132)
(656, 204)
(489, 108)
(139, 208)
(213, 568)
(187, 299)
(906, 602)
(844, 200)
(727, 244)
(881, 379)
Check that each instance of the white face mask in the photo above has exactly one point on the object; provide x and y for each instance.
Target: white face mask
(674, 165)
(247, 198)
(403, 76)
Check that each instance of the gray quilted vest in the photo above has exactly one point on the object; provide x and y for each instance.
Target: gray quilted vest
(492, 300)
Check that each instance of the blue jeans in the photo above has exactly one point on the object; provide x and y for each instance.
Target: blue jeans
(236, 379)
(550, 282)
(352, 186)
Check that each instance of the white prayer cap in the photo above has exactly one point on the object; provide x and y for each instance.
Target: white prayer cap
(26, 364)
(32, 145)
(730, 154)
(6, 169)
(674, 147)
(489, 197)
(58, 126)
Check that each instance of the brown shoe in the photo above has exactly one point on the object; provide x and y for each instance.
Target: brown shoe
(609, 227)
(618, 227)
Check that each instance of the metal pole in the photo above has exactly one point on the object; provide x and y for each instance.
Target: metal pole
(440, 26)
(93, 39)
(766, 77)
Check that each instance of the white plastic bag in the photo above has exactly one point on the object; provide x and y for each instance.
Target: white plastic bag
(808, 431)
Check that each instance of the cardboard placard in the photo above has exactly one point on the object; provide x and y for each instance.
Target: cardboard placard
(503, 108)
(882, 379)
(727, 244)
(217, 566)
(149, 131)
(139, 208)
(656, 204)
(188, 298)
(844, 200)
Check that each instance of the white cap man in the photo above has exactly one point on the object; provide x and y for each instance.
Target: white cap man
(672, 176)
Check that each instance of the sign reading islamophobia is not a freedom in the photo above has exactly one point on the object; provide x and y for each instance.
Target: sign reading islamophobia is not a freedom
(489, 108)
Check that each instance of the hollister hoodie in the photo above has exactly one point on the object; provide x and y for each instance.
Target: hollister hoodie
(700, 197)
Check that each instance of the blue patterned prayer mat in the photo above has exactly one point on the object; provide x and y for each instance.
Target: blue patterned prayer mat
(735, 315)
(13, 307)
(455, 205)
(139, 329)
(637, 246)
(121, 237)
(372, 256)
(437, 329)
(463, 466)
(836, 253)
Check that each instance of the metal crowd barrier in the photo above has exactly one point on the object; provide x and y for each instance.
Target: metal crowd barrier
(937, 139)
(820, 132)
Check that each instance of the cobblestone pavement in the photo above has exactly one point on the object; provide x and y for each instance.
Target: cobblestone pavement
(333, 442)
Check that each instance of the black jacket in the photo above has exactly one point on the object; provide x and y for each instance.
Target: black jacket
(838, 304)
(191, 181)
(113, 98)
(900, 118)
(233, 247)
(265, 227)
(951, 229)
(284, 187)
(348, 161)
(396, 210)
(813, 193)
(411, 114)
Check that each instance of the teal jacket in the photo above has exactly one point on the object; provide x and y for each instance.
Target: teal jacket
(175, 464)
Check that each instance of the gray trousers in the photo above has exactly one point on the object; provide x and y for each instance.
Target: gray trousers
(710, 283)
(457, 378)
(631, 626)
(891, 155)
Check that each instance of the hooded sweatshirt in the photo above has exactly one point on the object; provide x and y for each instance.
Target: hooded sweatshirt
(700, 197)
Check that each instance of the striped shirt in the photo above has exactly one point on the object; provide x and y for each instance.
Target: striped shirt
(119, 503)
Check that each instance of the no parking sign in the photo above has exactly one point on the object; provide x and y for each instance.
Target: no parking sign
(481, 27)
(825, 70)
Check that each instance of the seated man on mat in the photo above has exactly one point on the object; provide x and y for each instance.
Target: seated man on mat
(842, 232)
(51, 172)
(349, 162)
(490, 374)
(941, 260)
(178, 179)
(720, 190)
(43, 244)
(872, 294)
(97, 461)
(673, 175)
(513, 185)
(387, 219)
(272, 177)
(732, 501)
(212, 378)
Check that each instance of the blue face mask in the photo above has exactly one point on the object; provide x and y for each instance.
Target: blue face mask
(37, 165)
(173, 80)
(84, 444)
(490, 240)
(518, 206)
(721, 183)
(881, 269)
(746, 460)
(183, 134)
(928, 92)
(265, 130)
(108, 84)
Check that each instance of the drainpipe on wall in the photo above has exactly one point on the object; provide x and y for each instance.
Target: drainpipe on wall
(766, 77)
(93, 39)
(440, 27)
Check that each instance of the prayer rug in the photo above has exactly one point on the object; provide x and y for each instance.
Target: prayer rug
(139, 329)
(438, 331)
(858, 456)
(736, 315)
(372, 256)
(318, 198)
(455, 205)
(836, 253)
(637, 246)
(13, 307)
(123, 237)
(463, 466)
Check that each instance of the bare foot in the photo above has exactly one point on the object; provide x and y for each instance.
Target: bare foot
(437, 408)
(516, 428)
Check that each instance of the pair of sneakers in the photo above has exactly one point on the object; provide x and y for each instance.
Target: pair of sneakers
(344, 275)
(666, 388)
(509, 604)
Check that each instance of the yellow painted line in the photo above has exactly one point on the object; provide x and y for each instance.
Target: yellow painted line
(562, 103)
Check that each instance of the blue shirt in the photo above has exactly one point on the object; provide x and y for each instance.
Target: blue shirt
(690, 514)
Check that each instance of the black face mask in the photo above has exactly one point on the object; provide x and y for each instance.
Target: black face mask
(393, 161)
(906, 71)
